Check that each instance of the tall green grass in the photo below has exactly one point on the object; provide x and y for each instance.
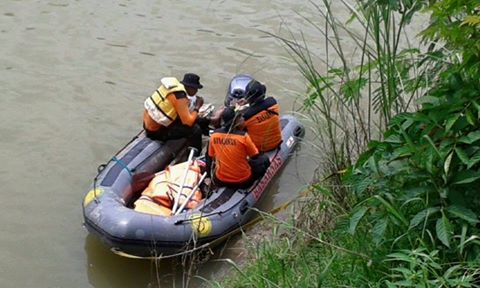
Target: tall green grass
(398, 129)
(379, 75)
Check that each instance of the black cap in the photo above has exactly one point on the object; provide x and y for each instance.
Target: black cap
(228, 115)
(191, 80)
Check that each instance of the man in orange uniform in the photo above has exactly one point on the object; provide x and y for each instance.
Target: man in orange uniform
(167, 116)
(231, 149)
(262, 120)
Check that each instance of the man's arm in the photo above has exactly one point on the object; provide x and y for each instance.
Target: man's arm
(252, 150)
(180, 102)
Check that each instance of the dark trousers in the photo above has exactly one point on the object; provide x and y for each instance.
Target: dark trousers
(259, 166)
(178, 130)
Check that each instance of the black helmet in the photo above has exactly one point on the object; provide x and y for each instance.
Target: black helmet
(236, 88)
(228, 117)
(255, 91)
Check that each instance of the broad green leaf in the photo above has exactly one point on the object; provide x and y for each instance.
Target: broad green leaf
(428, 100)
(402, 270)
(397, 256)
(450, 122)
(404, 283)
(355, 218)
(417, 191)
(422, 215)
(470, 137)
(443, 231)
(372, 163)
(477, 106)
(465, 177)
(462, 238)
(429, 161)
(446, 165)
(470, 118)
(407, 123)
(394, 139)
(363, 185)
(402, 151)
(473, 160)
(451, 270)
(463, 213)
(378, 230)
(392, 210)
(462, 155)
(429, 140)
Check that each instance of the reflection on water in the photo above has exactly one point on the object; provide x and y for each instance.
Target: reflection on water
(106, 269)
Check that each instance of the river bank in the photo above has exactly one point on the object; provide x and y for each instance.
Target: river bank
(403, 211)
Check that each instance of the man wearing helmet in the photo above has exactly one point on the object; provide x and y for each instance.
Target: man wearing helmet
(262, 120)
(237, 160)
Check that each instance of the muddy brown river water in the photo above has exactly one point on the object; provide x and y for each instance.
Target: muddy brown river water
(73, 78)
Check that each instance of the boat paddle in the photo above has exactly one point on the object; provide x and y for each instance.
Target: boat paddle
(179, 194)
(191, 194)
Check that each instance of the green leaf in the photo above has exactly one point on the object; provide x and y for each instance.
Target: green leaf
(429, 140)
(394, 139)
(398, 256)
(451, 270)
(351, 89)
(379, 229)
(392, 210)
(462, 238)
(463, 213)
(428, 100)
(470, 118)
(362, 185)
(473, 160)
(472, 20)
(462, 155)
(355, 218)
(420, 216)
(373, 165)
(401, 152)
(451, 122)
(446, 165)
(470, 137)
(465, 177)
(443, 231)
(405, 272)
(477, 106)
(429, 161)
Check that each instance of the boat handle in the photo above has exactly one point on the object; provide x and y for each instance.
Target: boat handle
(243, 207)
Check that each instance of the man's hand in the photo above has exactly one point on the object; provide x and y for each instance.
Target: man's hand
(216, 117)
(199, 102)
(242, 102)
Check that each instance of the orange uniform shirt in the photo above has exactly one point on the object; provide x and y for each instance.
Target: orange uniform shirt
(179, 100)
(262, 123)
(230, 151)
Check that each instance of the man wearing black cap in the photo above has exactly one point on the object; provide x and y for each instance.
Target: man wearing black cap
(167, 115)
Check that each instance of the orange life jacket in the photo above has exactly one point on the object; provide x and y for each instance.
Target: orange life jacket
(262, 122)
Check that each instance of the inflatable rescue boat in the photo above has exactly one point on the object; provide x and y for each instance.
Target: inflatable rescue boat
(108, 206)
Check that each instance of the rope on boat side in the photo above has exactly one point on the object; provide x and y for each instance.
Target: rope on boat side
(257, 219)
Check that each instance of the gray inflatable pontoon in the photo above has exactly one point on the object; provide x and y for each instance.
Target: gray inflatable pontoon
(107, 207)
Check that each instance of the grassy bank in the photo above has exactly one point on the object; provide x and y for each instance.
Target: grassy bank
(400, 128)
